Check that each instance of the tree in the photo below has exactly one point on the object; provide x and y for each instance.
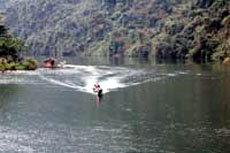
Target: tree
(10, 46)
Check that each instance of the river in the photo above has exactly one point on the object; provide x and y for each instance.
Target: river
(147, 107)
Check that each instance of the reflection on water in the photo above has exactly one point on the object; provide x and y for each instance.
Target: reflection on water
(182, 108)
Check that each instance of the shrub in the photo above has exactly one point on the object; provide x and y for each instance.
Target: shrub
(29, 64)
(20, 66)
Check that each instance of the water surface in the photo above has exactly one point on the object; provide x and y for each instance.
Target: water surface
(147, 107)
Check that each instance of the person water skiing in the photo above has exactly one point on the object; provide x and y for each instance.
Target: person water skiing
(97, 89)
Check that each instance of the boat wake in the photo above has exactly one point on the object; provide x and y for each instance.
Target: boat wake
(82, 78)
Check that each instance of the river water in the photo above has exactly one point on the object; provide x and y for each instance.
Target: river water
(147, 107)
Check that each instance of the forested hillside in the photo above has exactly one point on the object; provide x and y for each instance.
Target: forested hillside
(196, 29)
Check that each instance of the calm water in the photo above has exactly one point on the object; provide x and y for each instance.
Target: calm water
(157, 108)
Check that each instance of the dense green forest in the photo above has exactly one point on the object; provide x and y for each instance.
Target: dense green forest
(11, 51)
(167, 29)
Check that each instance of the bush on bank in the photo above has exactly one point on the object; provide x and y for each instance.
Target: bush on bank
(27, 64)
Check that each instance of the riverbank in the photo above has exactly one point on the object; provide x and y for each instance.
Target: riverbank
(10, 65)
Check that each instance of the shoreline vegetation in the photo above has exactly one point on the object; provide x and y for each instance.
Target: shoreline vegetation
(10, 65)
(11, 52)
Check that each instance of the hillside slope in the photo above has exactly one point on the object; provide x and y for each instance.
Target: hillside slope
(163, 28)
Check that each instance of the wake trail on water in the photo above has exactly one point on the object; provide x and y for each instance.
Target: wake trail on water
(59, 82)
(82, 78)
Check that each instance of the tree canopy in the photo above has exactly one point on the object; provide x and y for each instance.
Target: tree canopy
(9, 45)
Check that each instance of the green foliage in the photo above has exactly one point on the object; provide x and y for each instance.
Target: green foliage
(100, 48)
(28, 64)
(174, 26)
(10, 46)
(55, 27)
(165, 28)
(3, 30)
